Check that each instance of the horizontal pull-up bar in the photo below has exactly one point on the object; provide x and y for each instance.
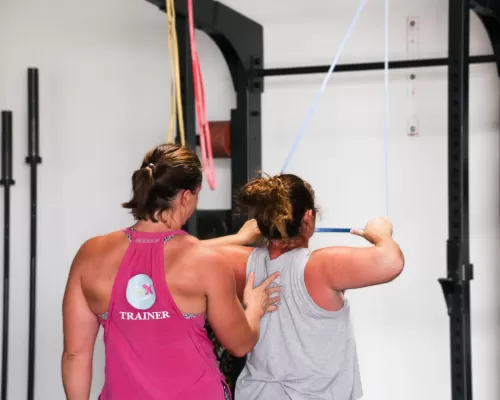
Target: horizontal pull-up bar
(373, 66)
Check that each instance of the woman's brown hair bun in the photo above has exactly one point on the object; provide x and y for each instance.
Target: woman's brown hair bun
(278, 204)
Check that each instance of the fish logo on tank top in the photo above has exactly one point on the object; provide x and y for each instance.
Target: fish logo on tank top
(140, 292)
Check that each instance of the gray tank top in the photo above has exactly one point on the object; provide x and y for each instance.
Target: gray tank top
(304, 351)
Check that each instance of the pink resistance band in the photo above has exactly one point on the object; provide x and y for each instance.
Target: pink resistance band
(207, 158)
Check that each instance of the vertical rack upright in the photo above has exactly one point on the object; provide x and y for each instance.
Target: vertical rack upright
(456, 286)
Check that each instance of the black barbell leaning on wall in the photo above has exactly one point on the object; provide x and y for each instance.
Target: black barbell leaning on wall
(7, 181)
(33, 159)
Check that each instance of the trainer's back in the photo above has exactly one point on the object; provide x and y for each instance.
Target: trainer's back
(304, 351)
(153, 350)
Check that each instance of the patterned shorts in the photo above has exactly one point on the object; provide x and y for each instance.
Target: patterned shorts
(227, 395)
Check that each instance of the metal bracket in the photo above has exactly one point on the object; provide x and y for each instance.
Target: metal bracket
(256, 83)
(453, 285)
(452, 292)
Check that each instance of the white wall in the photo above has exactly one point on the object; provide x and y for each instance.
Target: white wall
(104, 99)
(104, 82)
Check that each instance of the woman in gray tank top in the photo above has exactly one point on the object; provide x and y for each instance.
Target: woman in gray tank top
(306, 349)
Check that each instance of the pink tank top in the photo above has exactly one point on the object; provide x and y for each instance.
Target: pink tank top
(153, 351)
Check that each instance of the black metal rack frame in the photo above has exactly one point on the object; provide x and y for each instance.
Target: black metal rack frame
(456, 286)
(241, 42)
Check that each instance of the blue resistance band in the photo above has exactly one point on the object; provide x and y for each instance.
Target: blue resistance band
(322, 90)
(387, 105)
(333, 230)
(386, 141)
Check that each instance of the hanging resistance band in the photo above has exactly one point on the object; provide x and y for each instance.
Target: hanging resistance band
(176, 98)
(171, 44)
(201, 108)
(386, 92)
(323, 88)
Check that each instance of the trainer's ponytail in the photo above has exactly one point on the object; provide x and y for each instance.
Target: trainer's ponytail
(142, 181)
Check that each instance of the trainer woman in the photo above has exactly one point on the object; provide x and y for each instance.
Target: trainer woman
(306, 348)
(150, 287)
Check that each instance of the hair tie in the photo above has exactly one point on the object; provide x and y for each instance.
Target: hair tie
(152, 166)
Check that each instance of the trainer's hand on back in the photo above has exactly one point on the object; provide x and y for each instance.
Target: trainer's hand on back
(376, 230)
(258, 299)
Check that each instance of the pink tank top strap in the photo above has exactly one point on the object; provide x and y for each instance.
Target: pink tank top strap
(132, 233)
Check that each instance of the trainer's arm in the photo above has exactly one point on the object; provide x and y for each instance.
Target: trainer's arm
(237, 329)
(227, 240)
(237, 258)
(80, 327)
(247, 234)
(352, 268)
